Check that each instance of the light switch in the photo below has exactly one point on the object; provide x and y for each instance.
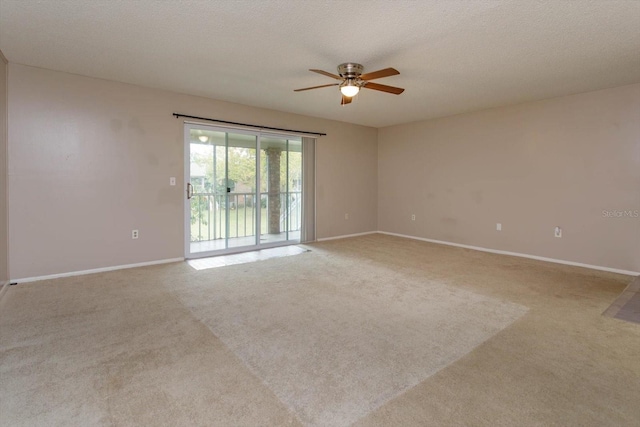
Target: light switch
(172, 180)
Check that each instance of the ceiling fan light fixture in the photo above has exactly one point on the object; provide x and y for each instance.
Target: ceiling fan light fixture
(203, 138)
(349, 89)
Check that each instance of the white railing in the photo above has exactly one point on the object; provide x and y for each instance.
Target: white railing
(209, 219)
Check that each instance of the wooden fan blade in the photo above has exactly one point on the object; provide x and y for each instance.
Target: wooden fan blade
(345, 100)
(384, 88)
(328, 74)
(380, 73)
(315, 87)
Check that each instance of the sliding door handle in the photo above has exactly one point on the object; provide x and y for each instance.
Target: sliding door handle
(189, 191)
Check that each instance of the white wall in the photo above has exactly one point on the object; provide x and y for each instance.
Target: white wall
(90, 160)
(531, 167)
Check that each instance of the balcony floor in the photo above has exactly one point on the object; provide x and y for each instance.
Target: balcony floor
(249, 241)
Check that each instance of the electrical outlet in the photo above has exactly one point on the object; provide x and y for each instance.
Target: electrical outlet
(413, 217)
(134, 234)
(498, 226)
(346, 216)
(557, 232)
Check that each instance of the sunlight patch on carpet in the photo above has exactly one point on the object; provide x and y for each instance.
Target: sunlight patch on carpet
(335, 340)
(245, 257)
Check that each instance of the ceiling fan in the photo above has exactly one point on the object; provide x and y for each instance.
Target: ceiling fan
(353, 80)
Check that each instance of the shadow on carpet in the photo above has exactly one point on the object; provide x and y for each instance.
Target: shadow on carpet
(627, 305)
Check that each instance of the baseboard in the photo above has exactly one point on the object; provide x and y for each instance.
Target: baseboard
(95, 270)
(4, 286)
(516, 254)
(345, 236)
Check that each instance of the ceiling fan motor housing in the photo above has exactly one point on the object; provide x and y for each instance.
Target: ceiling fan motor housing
(350, 70)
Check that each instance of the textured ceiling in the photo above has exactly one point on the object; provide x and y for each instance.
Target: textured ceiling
(453, 56)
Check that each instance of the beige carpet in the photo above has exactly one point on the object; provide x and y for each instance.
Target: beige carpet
(334, 339)
(252, 344)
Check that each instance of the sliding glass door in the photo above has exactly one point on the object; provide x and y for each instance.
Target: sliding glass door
(244, 190)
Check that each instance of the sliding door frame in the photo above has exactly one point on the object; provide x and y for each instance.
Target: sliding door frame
(188, 127)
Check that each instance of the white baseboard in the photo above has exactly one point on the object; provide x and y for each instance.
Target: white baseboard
(496, 251)
(3, 287)
(345, 236)
(96, 270)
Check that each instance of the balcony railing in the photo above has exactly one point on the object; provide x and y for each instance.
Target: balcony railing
(209, 220)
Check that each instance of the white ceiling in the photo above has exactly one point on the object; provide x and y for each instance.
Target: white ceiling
(453, 56)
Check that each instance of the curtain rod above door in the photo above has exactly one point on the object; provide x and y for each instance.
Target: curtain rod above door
(248, 125)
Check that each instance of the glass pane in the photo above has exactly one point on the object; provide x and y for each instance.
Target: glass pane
(294, 192)
(207, 162)
(281, 178)
(241, 189)
(273, 178)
